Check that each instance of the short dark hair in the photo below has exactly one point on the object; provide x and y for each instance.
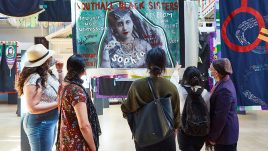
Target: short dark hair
(156, 61)
(192, 77)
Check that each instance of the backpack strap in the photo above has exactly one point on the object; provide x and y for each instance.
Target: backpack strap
(189, 90)
(199, 90)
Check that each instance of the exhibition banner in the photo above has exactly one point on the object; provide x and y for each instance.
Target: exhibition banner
(244, 40)
(11, 54)
(8, 51)
(1, 47)
(20, 8)
(119, 34)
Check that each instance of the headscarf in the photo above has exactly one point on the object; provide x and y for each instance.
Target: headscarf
(223, 66)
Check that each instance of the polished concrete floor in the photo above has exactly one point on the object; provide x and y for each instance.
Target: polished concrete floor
(117, 137)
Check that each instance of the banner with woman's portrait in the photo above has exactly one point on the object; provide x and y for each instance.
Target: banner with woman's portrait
(119, 34)
(11, 54)
(8, 66)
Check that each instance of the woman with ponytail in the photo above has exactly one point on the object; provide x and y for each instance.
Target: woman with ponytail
(79, 127)
(191, 79)
(139, 94)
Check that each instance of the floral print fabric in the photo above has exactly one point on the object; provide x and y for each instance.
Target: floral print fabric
(71, 138)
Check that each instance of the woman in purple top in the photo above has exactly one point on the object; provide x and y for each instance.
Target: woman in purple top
(224, 127)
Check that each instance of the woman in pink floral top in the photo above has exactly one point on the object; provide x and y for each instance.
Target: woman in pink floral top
(79, 126)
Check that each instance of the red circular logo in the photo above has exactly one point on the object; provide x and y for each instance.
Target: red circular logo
(236, 47)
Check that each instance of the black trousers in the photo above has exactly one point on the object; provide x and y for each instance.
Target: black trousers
(232, 147)
(190, 143)
(168, 144)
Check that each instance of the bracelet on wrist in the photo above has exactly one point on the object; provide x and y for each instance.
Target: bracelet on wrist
(59, 71)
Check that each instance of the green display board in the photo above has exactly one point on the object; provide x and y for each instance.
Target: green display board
(119, 34)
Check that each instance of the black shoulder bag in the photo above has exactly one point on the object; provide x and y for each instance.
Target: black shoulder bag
(153, 122)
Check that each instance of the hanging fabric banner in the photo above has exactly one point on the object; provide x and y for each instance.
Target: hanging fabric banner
(11, 54)
(244, 30)
(191, 32)
(20, 8)
(1, 47)
(119, 34)
(56, 11)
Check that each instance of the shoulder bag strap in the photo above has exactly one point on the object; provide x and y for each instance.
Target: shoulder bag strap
(151, 86)
(54, 89)
(59, 121)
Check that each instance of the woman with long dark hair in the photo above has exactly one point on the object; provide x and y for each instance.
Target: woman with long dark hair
(139, 93)
(79, 127)
(39, 87)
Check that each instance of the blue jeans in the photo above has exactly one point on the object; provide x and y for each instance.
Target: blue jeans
(41, 130)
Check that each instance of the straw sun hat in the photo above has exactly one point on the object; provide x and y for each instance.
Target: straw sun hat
(37, 55)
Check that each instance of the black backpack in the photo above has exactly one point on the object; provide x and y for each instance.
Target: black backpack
(195, 115)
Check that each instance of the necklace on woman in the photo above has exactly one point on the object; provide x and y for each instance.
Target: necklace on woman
(128, 46)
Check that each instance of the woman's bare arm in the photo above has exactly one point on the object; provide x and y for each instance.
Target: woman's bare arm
(85, 127)
(33, 96)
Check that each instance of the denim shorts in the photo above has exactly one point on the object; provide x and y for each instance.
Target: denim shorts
(41, 129)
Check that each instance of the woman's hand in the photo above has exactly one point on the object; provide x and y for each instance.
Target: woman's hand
(211, 142)
(178, 66)
(59, 65)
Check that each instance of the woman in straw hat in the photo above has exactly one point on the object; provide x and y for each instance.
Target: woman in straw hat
(39, 86)
(224, 127)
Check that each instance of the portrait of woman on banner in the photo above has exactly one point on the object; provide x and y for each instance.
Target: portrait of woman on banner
(10, 52)
(127, 39)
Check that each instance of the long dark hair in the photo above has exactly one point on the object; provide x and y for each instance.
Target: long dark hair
(76, 65)
(156, 61)
(192, 77)
(42, 70)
